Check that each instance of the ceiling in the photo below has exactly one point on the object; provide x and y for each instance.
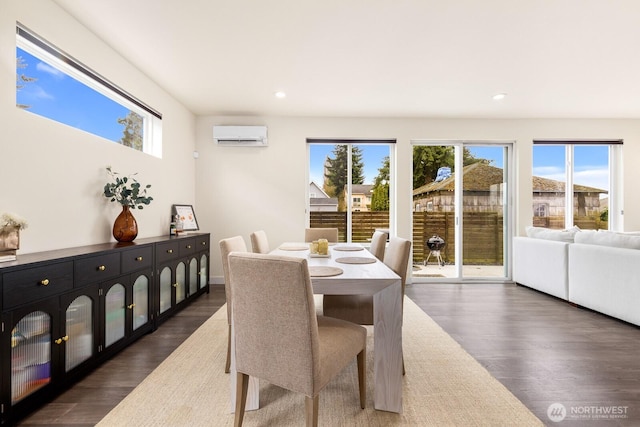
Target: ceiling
(382, 58)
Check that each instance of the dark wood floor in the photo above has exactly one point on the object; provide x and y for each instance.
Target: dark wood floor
(543, 350)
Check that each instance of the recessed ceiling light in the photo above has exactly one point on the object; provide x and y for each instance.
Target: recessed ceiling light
(499, 96)
(280, 94)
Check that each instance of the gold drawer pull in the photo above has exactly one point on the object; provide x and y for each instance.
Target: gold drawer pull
(130, 306)
(44, 282)
(139, 258)
(175, 285)
(169, 251)
(188, 246)
(102, 268)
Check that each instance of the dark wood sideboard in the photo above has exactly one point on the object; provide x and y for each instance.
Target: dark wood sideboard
(64, 312)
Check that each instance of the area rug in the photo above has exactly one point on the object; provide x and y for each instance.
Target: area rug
(443, 386)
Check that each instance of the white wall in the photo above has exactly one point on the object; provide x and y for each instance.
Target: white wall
(52, 174)
(240, 190)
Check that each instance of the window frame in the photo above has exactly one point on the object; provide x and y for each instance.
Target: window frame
(38, 47)
(615, 218)
(391, 143)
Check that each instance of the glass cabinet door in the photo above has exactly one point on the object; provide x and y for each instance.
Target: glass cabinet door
(193, 276)
(204, 271)
(165, 289)
(181, 273)
(78, 332)
(140, 304)
(30, 355)
(114, 313)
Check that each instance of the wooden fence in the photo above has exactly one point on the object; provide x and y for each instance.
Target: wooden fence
(483, 236)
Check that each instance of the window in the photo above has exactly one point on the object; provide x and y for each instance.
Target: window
(357, 177)
(541, 209)
(574, 183)
(52, 84)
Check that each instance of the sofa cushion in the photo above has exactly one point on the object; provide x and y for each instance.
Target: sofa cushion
(609, 238)
(551, 234)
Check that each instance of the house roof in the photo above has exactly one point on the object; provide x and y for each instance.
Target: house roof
(316, 201)
(361, 189)
(481, 176)
(545, 185)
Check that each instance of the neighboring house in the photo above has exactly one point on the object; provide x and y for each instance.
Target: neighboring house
(483, 193)
(361, 197)
(319, 201)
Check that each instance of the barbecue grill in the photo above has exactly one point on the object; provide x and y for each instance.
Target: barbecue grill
(435, 244)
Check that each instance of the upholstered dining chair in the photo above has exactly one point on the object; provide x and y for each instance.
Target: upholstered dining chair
(378, 244)
(311, 234)
(231, 244)
(291, 348)
(359, 308)
(259, 242)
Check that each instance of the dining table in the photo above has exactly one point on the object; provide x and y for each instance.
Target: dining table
(350, 269)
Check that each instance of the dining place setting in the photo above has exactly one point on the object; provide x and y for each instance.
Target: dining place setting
(341, 253)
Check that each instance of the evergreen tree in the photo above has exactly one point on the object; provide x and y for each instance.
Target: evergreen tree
(380, 196)
(336, 171)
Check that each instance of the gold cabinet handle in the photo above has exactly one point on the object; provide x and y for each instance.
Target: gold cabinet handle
(130, 306)
(58, 341)
(175, 285)
(44, 282)
(139, 258)
(65, 338)
(169, 251)
(204, 243)
(188, 246)
(102, 268)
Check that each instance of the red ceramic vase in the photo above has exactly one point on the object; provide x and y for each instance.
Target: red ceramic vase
(125, 228)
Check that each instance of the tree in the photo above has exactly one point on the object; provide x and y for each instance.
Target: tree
(380, 196)
(336, 170)
(132, 132)
(427, 159)
(22, 79)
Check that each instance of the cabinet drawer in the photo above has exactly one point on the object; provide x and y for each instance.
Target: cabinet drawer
(24, 286)
(96, 269)
(168, 251)
(135, 259)
(202, 243)
(187, 247)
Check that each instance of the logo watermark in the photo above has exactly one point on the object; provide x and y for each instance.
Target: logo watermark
(558, 412)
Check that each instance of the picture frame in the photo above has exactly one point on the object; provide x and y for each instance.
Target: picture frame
(187, 216)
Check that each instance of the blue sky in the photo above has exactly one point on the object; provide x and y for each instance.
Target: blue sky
(60, 97)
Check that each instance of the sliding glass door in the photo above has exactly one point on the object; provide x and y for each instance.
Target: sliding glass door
(461, 215)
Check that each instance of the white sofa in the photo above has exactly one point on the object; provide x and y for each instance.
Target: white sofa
(603, 274)
(542, 264)
(596, 270)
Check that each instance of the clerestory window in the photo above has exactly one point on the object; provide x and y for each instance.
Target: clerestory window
(52, 84)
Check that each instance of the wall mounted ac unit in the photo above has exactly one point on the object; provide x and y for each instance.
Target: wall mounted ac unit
(240, 136)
